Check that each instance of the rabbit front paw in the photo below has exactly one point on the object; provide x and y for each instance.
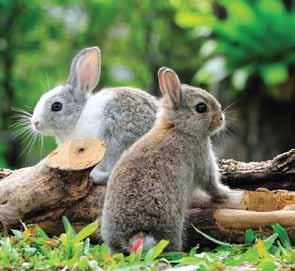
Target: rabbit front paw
(220, 193)
(99, 177)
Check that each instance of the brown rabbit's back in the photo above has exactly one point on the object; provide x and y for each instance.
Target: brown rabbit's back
(146, 183)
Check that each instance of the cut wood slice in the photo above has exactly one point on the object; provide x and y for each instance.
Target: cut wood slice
(76, 155)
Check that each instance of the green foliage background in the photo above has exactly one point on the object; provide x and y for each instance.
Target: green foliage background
(222, 45)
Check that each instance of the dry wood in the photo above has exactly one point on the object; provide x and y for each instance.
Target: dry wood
(277, 173)
(76, 155)
(4, 173)
(59, 185)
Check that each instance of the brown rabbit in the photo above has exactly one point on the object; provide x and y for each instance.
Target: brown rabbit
(152, 184)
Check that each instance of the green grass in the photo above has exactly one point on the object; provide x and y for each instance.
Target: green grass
(33, 249)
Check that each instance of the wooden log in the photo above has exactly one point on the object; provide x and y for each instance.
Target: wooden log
(278, 173)
(59, 185)
(228, 221)
(4, 173)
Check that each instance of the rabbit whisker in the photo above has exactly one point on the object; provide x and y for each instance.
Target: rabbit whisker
(18, 125)
(22, 131)
(22, 111)
(230, 105)
(30, 146)
(42, 145)
(26, 142)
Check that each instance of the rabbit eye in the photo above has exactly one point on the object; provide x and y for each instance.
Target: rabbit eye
(56, 106)
(201, 108)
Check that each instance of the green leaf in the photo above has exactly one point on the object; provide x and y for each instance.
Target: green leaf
(41, 233)
(271, 7)
(156, 251)
(86, 245)
(249, 237)
(270, 240)
(70, 231)
(208, 48)
(213, 71)
(175, 256)
(240, 11)
(283, 235)
(192, 19)
(274, 74)
(18, 234)
(87, 231)
(190, 260)
(267, 265)
(239, 78)
(83, 263)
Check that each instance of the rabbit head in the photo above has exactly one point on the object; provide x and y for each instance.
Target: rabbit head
(191, 110)
(58, 110)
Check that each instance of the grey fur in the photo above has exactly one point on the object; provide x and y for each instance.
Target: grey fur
(121, 115)
(152, 184)
(127, 117)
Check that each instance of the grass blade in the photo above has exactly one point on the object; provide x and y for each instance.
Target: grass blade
(87, 231)
(71, 233)
(156, 251)
(270, 240)
(212, 239)
(283, 235)
(249, 237)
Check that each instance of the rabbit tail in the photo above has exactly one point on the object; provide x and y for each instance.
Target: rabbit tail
(141, 241)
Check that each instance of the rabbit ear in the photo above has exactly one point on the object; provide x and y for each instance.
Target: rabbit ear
(85, 70)
(170, 87)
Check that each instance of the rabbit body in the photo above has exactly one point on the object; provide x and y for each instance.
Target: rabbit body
(152, 184)
(118, 116)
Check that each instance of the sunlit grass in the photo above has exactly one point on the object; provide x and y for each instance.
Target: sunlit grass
(33, 249)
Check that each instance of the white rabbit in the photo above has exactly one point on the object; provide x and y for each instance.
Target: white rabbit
(118, 116)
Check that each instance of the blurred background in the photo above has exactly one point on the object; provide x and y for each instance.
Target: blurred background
(243, 51)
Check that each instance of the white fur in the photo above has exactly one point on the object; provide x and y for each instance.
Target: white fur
(92, 118)
(149, 242)
(201, 196)
(39, 108)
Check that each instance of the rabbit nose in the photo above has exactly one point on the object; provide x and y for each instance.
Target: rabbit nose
(36, 123)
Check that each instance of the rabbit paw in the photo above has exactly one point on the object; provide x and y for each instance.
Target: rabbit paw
(220, 194)
(99, 177)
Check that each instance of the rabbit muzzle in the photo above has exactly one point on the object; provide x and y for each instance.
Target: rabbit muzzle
(217, 123)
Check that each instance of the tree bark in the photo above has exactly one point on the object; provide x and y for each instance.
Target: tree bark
(59, 186)
(277, 173)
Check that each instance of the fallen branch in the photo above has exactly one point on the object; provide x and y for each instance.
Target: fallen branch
(59, 185)
(277, 173)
